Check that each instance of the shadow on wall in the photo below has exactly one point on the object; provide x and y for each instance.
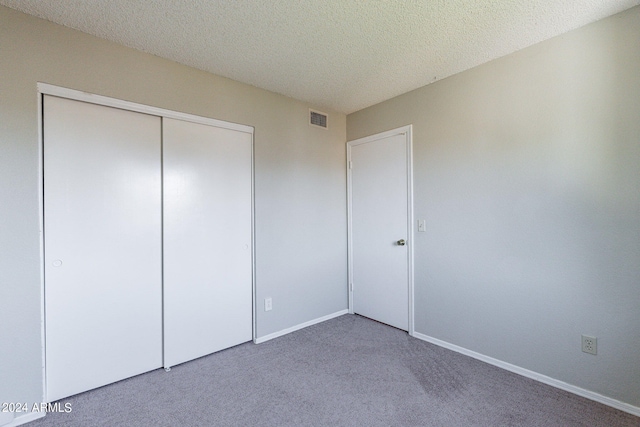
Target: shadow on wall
(530, 167)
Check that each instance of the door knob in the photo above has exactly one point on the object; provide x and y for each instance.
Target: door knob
(401, 242)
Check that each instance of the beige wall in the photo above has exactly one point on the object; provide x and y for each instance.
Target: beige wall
(527, 171)
(300, 194)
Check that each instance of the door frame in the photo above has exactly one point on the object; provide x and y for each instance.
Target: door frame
(77, 95)
(407, 131)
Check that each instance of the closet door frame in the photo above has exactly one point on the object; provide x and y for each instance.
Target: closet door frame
(62, 92)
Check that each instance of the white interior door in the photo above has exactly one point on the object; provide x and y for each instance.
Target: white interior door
(102, 219)
(207, 239)
(380, 228)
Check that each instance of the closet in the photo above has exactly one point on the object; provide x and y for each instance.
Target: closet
(147, 241)
(207, 244)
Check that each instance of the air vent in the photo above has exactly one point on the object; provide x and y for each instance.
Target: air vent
(318, 119)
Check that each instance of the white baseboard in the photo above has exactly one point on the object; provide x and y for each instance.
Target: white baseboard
(633, 410)
(27, 418)
(298, 327)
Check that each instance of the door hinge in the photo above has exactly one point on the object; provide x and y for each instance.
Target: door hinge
(351, 287)
(350, 165)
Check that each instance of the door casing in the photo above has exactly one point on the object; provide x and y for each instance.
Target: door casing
(407, 131)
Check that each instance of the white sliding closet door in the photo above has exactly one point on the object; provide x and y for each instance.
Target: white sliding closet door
(207, 239)
(102, 218)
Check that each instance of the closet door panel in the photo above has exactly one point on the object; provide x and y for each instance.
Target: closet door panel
(102, 218)
(207, 239)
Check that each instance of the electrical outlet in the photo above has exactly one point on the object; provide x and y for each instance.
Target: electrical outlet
(268, 305)
(589, 344)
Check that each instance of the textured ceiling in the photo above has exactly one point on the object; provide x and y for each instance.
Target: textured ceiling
(339, 54)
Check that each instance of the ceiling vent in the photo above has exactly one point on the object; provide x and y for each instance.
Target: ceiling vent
(318, 119)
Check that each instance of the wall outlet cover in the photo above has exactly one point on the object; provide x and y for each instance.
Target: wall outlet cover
(589, 344)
